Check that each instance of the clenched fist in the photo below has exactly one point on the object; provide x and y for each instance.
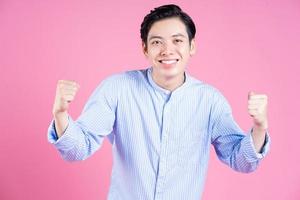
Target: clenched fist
(65, 93)
(257, 108)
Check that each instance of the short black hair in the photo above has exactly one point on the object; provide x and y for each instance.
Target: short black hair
(164, 12)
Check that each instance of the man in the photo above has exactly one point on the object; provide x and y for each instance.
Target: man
(160, 121)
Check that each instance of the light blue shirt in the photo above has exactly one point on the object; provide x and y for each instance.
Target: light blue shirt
(160, 139)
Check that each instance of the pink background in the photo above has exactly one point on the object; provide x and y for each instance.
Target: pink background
(242, 46)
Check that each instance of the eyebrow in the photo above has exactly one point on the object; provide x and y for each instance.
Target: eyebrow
(178, 35)
(155, 37)
(159, 37)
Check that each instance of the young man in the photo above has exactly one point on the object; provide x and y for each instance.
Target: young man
(160, 121)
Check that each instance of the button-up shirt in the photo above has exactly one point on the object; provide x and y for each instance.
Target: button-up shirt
(160, 139)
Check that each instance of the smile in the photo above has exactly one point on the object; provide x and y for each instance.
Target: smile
(169, 62)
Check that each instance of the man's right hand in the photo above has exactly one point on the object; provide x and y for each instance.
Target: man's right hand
(65, 94)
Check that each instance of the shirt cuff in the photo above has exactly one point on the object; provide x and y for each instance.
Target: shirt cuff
(249, 148)
(67, 139)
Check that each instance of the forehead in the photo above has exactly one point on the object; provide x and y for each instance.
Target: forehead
(167, 28)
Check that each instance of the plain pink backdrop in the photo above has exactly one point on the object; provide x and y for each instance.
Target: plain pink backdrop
(241, 46)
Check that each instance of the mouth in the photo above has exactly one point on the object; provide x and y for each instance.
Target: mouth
(168, 61)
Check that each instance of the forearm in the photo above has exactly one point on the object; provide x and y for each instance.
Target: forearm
(257, 108)
(258, 136)
(61, 123)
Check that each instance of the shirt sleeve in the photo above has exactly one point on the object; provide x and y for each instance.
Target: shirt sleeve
(85, 135)
(234, 147)
(250, 148)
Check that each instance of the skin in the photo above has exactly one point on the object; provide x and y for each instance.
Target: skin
(168, 50)
(168, 41)
(257, 109)
(65, 94)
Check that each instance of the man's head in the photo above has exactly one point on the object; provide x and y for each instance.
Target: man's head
(168, 41)
(165, 12)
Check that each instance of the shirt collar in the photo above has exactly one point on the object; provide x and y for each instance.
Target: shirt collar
(164, 91)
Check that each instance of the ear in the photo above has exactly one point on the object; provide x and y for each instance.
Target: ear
(144, 48)
(192, 47)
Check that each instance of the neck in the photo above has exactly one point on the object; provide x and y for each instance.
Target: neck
(169, 83)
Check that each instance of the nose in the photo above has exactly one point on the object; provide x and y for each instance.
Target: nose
(167, 49)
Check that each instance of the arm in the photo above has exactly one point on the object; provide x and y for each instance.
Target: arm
(65, 93)
(77, 140)
(232, 145)
(257, 109)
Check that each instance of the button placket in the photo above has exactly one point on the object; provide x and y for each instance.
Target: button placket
(163, 154)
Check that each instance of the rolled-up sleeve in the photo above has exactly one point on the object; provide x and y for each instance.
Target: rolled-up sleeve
(249, 148)
(233, 146)
(85, 135)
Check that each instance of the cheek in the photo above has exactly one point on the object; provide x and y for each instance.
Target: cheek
(152, 53)
(187, 51)
(183, 48)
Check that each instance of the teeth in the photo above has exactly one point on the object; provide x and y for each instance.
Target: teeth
(168, 62)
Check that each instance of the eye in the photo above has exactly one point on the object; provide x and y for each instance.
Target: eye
(156, 42)
(178, 41)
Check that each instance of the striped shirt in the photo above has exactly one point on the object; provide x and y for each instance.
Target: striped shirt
(160, 139)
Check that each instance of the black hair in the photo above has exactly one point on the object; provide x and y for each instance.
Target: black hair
(164, 12)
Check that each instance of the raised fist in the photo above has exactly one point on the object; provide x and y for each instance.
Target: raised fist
(257, 109)
(65, 93)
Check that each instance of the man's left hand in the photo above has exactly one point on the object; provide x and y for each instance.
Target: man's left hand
(257, 109)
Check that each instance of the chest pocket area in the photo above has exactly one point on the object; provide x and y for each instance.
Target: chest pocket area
(193, 145)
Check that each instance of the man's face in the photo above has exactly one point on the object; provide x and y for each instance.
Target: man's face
(168, 48)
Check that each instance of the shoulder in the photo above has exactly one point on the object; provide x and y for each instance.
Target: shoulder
(202, 87)
(126, 77)
(211, 96)
(206, 92)
(118, 82)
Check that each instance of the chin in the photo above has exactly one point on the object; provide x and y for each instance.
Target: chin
(171, 73)
(168, 72)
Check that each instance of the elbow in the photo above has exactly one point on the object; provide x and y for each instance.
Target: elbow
(72, 156)
(245, 167)
(247, 170)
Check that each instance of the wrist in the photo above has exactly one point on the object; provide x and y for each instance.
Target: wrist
(261, 128)
(59, 115)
